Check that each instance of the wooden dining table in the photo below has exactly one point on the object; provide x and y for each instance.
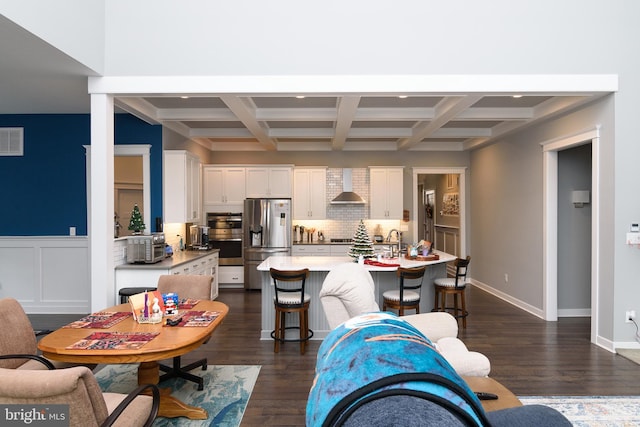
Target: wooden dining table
(171, 341)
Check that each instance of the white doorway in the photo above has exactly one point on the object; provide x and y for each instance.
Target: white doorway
(461, 201)
(550, 223)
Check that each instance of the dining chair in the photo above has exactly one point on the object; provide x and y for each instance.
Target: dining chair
(78, 391)
(193, 287)
(455, 286)
(290, 297)
(407, 296)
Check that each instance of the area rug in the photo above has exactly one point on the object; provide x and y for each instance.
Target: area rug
(593, 411)
(227, 389)
(630, 353)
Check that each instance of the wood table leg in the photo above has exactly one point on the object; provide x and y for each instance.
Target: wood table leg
(170, 407)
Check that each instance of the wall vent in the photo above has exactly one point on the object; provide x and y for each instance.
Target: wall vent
(11, 141)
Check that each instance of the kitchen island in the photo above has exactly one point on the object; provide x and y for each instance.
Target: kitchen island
(384, 279)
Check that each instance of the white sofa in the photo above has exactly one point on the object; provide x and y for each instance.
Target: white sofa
(348, 291)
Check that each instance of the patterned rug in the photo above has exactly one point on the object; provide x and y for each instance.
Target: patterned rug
(227, 389)
(593, 411)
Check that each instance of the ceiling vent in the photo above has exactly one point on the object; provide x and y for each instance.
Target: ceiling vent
(347, 197)
(11, 142)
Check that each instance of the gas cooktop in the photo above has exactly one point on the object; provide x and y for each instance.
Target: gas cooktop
(340, 240)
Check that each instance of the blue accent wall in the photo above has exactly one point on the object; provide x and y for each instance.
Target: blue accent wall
(44, 192)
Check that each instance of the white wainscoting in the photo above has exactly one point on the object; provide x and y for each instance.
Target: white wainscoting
(447, 239)
(46, 274)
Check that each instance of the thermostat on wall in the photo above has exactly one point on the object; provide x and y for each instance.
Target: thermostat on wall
(635, 228)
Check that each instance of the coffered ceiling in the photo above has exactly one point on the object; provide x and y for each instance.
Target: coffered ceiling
(353, 122)
(36, 78)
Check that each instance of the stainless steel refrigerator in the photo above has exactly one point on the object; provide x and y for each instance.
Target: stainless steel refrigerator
(267, 232)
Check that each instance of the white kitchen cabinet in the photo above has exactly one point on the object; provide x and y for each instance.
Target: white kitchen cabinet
(340, 250)
(223, 186)
(181, 185)
(385, 192)
(148, 275)
(232, 276)
(269, 181)
(309, 193)
(311, 250)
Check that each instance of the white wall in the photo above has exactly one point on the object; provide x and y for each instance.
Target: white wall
(506, 206)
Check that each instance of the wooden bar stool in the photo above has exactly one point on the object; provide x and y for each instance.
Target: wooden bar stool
(455, 286)
(290, 297)
(407, 297)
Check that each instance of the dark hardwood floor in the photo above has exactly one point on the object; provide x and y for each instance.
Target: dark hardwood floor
(528, 355)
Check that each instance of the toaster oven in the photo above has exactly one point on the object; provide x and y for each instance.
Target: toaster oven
(147, 249)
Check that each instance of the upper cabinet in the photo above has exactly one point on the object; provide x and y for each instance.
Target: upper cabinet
(269, 181)
(385, 192)
(181, 183)
(309, 193)
(223, 186)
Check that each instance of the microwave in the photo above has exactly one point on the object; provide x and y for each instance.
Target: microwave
(147, 249)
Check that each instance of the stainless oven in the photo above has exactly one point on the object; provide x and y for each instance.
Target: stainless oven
(225, 234)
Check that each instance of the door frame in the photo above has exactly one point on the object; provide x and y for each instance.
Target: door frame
(550, 222)
(461, 171)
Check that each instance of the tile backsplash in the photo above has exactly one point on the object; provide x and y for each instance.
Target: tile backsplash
(342, 220)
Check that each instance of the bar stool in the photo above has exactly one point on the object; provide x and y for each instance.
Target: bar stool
(407, 297)
(125, 293)
(290, 297)
(455, 286)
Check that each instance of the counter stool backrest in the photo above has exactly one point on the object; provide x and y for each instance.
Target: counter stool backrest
(461, 265)
(289, 283)
(409, 279)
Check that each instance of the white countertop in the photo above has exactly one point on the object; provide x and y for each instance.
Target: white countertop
(327, 263)
(178, 258)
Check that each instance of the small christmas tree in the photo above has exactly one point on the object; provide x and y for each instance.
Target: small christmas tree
(136, 224)
(361, 244)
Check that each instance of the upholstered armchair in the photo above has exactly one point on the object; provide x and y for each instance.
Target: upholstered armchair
(17, 338)
(78, 388)
(348, 291)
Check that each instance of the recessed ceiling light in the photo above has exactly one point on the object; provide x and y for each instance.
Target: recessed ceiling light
(517, 96)
(402, 96)
(300, 96)
(184, 97)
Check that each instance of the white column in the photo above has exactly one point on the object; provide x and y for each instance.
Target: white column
(101, 205)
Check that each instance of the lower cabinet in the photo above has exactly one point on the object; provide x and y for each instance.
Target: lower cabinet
(147, 275)
(308, 250)
(232, 276)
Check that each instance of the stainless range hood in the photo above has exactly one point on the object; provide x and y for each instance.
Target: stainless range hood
(347, 197)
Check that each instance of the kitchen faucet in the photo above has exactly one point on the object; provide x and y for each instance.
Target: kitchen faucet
(399, 237)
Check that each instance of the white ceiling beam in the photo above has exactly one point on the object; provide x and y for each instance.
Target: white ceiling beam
(196, 114)
(460, 132)
(347, 109)
(220, 133)
(246, 114)
(301, 133)
(139, 108)
(438, 146)
(496, 114)
(296, 114)
(446, 110)
(395, 114)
